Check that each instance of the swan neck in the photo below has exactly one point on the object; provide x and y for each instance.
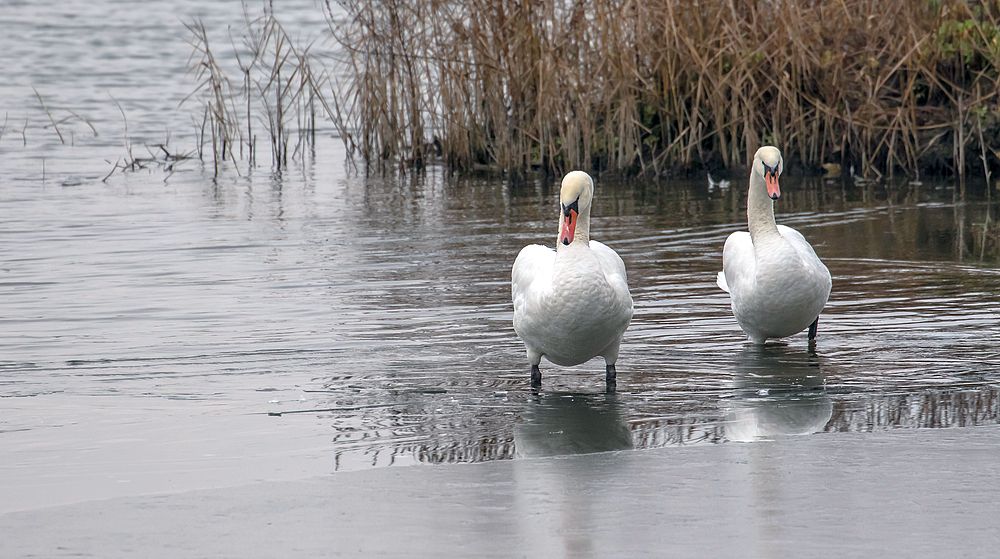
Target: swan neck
(760, 209)
(583, 228)
(582, 233)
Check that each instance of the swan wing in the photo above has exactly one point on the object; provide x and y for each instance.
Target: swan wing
(738, 262)
(614, 273)
(611, 264)
(799, 242)
(532, 272)
(817, 269)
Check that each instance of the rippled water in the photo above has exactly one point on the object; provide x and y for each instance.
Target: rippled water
(909, 339)
(270, 325)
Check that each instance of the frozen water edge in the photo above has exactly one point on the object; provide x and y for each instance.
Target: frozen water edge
(927, 493)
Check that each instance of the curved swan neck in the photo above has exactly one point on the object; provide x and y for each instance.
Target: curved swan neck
(582, 234)
(583, 227)
(760, 209)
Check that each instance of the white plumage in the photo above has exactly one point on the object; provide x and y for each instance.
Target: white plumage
(777, 284)
(571, 304)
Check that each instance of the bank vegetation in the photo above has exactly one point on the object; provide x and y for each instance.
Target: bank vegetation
(654, 86)
(630, 86)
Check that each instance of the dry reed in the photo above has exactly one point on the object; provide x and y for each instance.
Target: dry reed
(659, 85)
(53, 123)
(278, 89)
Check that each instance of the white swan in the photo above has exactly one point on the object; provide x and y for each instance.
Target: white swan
(777, 284)
(572, 303)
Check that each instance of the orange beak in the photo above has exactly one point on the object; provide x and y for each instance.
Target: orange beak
(568, 227)
(771, 180)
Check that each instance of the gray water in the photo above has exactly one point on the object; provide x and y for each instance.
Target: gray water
(163, 332)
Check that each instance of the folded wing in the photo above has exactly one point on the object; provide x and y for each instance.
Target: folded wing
(738, 262)
(532, 271)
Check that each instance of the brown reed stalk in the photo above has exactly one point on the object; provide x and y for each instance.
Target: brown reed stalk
(659, 85)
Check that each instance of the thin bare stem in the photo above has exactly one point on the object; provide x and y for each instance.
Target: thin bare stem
(48, 114)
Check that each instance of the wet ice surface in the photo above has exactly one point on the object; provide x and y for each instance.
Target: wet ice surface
(168, 333)
(851, 495)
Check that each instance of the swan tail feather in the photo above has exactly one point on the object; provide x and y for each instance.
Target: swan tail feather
(720, 280)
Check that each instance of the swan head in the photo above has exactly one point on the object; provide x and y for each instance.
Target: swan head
(575, 197)
(767, 163)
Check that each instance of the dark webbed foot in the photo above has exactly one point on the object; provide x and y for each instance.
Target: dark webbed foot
(812, 329)
(536, 376)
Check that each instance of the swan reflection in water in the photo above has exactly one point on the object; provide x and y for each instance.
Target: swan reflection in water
(779, 390)
(553, 513)
(558, 424)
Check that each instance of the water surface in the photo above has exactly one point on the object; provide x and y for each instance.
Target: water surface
(162, 332)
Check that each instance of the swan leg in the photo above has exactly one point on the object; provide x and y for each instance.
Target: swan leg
(610, 355)
(534, 358)
(812, 329)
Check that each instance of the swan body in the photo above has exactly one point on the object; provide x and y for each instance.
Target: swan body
(572, 303)
(777, 284)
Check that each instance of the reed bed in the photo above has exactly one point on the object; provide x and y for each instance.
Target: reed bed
(656, 86)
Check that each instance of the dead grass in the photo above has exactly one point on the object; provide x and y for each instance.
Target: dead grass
(659, 85)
